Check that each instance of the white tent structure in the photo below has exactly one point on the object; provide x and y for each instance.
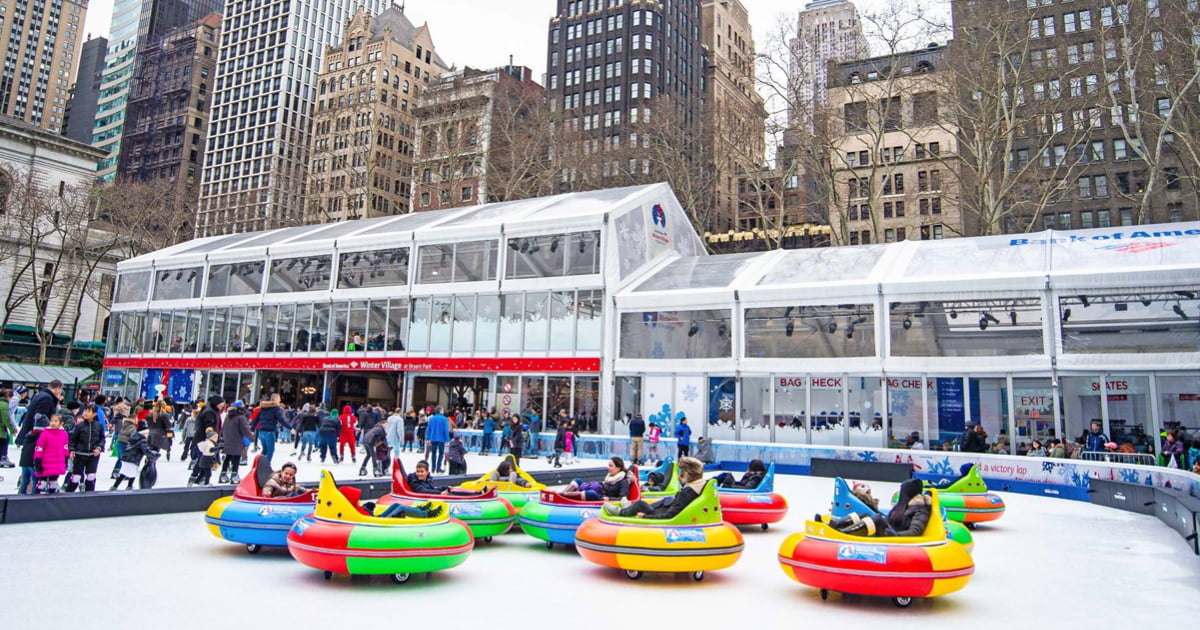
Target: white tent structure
(604, 304)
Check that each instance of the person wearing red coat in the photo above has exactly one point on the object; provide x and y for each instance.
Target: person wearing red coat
(346, 437)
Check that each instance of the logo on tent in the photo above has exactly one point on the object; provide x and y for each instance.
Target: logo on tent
(658, 215)
(1137, 248)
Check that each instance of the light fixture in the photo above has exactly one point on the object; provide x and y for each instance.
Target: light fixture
(921, 306)
(850, 331)
(524, 246)
(787, 312)
(1012, 317)
(164, 276)
(722, 329)
(582, 244)
(1084, 299)
(1179, 311)
(514, 245)
(1191, 295)
(693, 329)
(554, 244)
(953, 314)
(790, 327)
(1147, 302)
(179, 275)
(983, 323)
(1066, 314)
(831, 327)
(907, 323)
(192, 276)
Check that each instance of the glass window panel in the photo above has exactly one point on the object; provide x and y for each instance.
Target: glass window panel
(301, 337)
(815, 332)
(356, 339)
(1178, 406)
(1147, 322)
(1001, 327)
(337, 330)
(178, 284)
(1129, 420)
(487, 323)
(440, 316)
(587, 402)
(562, 320)
(583, 253)
(464, 323)
(906, 410)
(251, 331)
(235, 279)
(989, 407)
(191, 334)
(828, 413)
(695, 273)
(160, 328)
(536, 257)
(236, 331)
(755, 409)
(320, 328)
(588, 312)
(377, 325)
(865, 423)
(722, 415)
(533, 395)
(285, 321)
(1033, 400)
(270, 323)
(436, 264)
(418, 336)
(627, 399)
(791, 412)
(132, 287)
(229, 386)
(178, 324)
(388, 267)
(305, 273)
(397, 324)
(216, 339)
(537, 309)
(676, 334)
(512, 319)
(475, 261)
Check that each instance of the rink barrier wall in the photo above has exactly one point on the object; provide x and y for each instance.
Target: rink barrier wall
(105, 504)
(863, 471)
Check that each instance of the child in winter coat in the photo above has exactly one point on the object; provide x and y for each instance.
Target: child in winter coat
(50, 457)
(456, 454)
(569, 443)
(139, 447)
(28, 447)
(202, 475)
(654, 433)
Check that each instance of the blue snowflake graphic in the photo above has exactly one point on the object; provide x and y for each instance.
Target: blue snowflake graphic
(901, 403)
(1048, 467)
(1129, 475)
(690, 393)
(941, 468)
(867, 456)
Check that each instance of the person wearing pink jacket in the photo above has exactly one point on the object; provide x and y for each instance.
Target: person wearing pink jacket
(50, 457)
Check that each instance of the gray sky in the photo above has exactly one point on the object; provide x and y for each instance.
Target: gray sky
(483, 33)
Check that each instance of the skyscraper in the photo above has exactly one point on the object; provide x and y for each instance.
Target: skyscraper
(256, 165)
(166, 116)
(364, 131)
(81, 106)
(135, 23)
(40, 41)
(612, 66)
(828, 30)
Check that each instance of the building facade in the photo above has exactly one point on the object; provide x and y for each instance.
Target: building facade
(167, 113)
(260, 131)
(41, 47)
(827, 31)
(57, 270)
(893, 150)
(136, 24)
(470, 147)
(733, 114)
(1104, 117)
(610, 65)
(364, 130)
(81, 106)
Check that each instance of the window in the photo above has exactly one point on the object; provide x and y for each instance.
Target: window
(466, 193)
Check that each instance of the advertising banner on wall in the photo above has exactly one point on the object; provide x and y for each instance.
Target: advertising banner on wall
(951, 412)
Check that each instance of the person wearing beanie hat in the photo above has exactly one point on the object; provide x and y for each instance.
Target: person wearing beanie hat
(691, 476)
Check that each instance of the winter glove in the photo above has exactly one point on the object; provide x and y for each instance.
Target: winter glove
(37, 467)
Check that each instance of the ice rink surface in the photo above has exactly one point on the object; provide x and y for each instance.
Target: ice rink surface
(1048, 563)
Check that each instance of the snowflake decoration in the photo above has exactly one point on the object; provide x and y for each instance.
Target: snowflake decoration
(1129, 475)
(1048, 467)
(690, 393)
(901, 403)
(867, 456)
(286, 387)
(941, 468)
(182, 393)
(726, 404)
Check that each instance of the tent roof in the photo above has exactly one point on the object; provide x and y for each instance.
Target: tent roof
(29, 373)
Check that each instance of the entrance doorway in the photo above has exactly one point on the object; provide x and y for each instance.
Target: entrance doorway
(469, 393)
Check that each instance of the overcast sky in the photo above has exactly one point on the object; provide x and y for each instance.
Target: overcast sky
(483, 33)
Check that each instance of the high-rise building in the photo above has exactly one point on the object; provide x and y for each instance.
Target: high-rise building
(1077, 115)
(135, 24)
(734, 116)
(260, 130)
(612, 66)
(828, 30)
(166, 116)
(81, 106)
(471, 147)
(41, 45)
(893, 150)
(364, 128)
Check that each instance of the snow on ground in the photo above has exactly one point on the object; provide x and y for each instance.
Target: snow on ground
(1048, 563)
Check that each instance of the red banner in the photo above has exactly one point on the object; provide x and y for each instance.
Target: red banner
(433, 364)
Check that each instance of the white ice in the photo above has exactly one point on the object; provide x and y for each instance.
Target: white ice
(1048, 563)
